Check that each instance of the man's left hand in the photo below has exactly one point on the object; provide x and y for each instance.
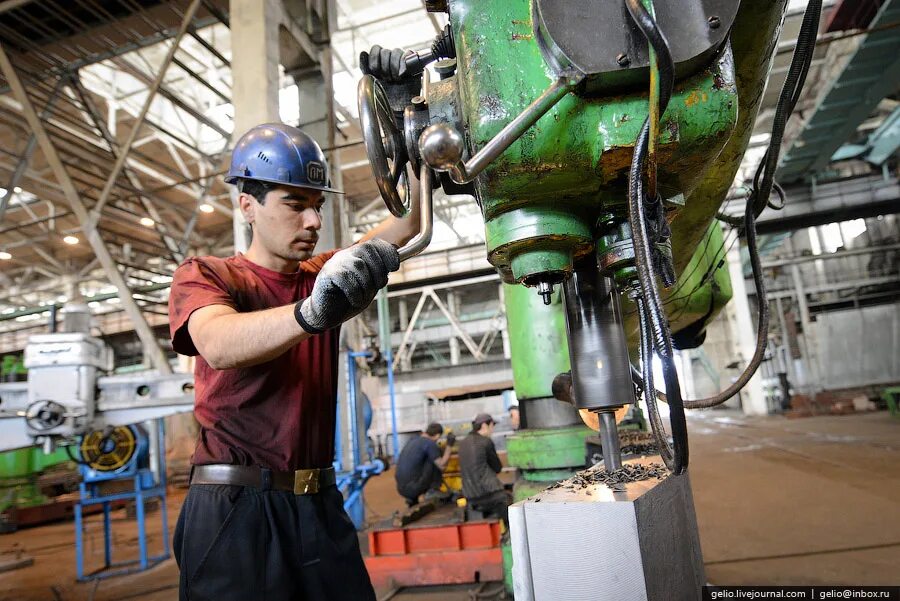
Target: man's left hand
(347, 284)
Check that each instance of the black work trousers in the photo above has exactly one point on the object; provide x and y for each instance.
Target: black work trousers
(495, 503)
(430, 478)
(236, 543)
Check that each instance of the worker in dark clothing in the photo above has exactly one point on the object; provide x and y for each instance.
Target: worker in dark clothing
(514, 417)
(263, 518)
(421, 464)
(479, 465)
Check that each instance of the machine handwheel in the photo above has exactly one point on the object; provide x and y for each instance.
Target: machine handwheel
(385, 146)
(107, 452)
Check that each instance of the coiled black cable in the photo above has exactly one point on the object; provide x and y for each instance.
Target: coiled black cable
(650, 303)
(787, 100)
(649, 389)
(763, 184)
(756, 202)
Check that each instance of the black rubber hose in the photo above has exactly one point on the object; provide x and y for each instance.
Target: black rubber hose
(763, 184)
(642, 254)
(656, 425)
(638, 380)
(762, 325)
(787, 100)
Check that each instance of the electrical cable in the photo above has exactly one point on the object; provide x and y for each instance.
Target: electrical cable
(650, 302)
(649, 389)
(756, 202)
(709, 270)
(758, 199)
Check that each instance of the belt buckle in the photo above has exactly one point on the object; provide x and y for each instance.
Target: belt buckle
(306, 482)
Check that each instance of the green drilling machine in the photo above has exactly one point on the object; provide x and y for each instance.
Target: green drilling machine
(599, 140)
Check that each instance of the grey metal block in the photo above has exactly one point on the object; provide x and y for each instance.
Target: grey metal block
(573, 544)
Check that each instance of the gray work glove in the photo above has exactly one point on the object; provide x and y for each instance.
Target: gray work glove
(347, 284)
(384, 64)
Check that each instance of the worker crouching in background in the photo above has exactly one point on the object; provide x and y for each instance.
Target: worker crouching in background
(421, 465)
(479, 465)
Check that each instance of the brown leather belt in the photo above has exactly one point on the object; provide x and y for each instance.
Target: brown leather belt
(300, 482)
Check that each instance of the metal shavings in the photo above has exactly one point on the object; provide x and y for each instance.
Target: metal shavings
(615, 480)
(637, 443)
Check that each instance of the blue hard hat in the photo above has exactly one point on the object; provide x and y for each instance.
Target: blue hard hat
(279, 154)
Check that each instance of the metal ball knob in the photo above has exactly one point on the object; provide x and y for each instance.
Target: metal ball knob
(441, 146)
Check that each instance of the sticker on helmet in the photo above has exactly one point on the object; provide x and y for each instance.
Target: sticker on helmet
(315, 172)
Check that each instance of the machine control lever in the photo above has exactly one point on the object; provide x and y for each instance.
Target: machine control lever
(442, 146)
(426, 217)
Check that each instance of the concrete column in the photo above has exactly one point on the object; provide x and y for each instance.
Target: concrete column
(806, 322)
(254, 72)
(453, 306)
(504, 332)
(687, 373)
(786, 344)
(753, 398)
(254, 61)
(403, 313)
(317, 120)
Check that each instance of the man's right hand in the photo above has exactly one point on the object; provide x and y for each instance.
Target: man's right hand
(347, 284)
(384, 64)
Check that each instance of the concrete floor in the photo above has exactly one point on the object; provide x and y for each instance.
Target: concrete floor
(806, 501)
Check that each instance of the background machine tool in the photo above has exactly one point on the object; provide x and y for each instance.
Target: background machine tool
(599, 140)
(111, 426)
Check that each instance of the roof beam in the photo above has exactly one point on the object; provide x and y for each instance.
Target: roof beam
(143, 329)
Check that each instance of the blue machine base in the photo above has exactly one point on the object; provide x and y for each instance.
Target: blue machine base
(143, 487)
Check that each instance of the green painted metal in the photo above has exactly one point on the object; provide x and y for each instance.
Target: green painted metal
(12, 368)
(753, 36)
(15, 464)
(506, 550)
(21, 463)
(551, 476)
(572, 163)
(525, 489)
(704, 285)
(890, 396)
(537, 339)
(18, 476)
(552, 448)
(533, 240)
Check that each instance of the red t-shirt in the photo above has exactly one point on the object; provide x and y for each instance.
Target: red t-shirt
(279, 414)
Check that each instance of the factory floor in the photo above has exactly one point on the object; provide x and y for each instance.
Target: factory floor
(779, 501)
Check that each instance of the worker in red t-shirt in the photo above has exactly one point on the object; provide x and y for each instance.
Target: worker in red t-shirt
(263, 518)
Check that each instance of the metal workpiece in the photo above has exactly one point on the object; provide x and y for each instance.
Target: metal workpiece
(598, 352)
(609, 440)
(442, 146)
(385, 145)
(610, 49)
(426, 218)
(644, 532)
